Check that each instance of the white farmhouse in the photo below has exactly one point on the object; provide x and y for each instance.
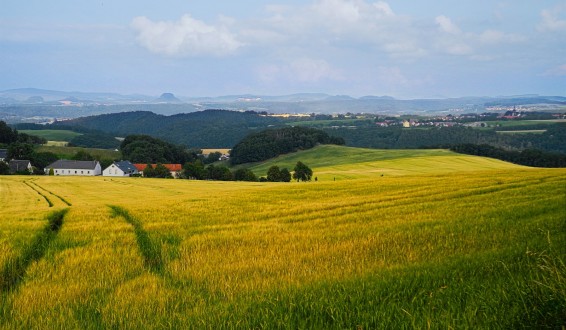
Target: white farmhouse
(74, 167)
(121, 168)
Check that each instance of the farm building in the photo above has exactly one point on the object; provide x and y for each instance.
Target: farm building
(121, 168)
(175, 169)
(74, 167)
(3, 154)
(20, 166)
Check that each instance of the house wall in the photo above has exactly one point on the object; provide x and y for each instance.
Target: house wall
(77, 172)
(113, 170)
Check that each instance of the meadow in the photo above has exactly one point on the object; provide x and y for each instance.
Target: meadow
(440, 241)
(53, 135)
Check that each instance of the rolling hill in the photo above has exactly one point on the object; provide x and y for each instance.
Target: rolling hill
(339, 162)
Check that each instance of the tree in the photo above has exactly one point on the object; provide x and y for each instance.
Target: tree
(18, 150)
(274, 174)
(285, 175)
(212, 157)
(221, 173)
(244, 174)
(149, 172)
(160, 171)
(302, 172)
(194, 170)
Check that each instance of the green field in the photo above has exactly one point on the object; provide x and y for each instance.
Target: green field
(69, 152)
(339, 162)
(53, 135)
(441, 241)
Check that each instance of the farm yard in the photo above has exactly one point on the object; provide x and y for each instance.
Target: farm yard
(440, 241)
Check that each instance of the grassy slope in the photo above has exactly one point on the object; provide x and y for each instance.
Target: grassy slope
(442, 250)
(52, 135)
(330, 161)
(69, 152)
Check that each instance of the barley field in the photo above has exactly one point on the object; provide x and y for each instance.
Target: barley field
(479, 247)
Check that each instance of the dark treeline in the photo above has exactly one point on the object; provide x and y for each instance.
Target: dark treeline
(527, 157)
(406, 138)
(274, 142)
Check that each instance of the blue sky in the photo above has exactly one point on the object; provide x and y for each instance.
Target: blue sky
(401, 48)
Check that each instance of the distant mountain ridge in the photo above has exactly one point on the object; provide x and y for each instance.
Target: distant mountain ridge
(38, 105)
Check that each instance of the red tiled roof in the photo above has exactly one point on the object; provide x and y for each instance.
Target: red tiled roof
(170, 167)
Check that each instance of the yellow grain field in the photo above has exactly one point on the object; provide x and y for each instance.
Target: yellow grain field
(156, 253)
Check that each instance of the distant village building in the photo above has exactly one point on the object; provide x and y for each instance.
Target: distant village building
(174, 169)
(74, 167)
(20, 166)
(121, 168)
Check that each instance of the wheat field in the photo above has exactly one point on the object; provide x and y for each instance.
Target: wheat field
(476, 248)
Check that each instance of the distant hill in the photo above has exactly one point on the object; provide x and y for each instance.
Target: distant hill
(202, 129)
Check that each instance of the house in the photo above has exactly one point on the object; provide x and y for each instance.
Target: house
(121, 168)
(3, 155)
(20, 166)
(175, 169)
(74, 167)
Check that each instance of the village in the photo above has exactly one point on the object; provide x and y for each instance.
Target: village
(66, 167)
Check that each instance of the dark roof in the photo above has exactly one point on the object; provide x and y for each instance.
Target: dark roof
(3, 153)
(126, 166)
(74, 164)
(18, 165)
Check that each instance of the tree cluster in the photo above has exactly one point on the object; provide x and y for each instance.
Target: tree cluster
(274, 142)
(159, 171)
(146, 149)
(198, 171)
(274, 174)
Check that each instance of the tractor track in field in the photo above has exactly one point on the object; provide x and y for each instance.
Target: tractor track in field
(14, 270)
(49, 202)
(31, 182)
(150, 251)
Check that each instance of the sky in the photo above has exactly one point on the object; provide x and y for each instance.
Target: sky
(193, 48)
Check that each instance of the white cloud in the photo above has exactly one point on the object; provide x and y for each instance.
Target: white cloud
(446, 25)
(187, 37)
(551, 21)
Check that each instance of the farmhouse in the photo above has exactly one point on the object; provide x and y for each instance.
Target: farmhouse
(3, 155)
(121, 168)
(74, 167)
(20, 166)
(175, 169)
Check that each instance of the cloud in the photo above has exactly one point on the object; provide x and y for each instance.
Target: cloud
(550, 21)
(446, 25)
(187, 37)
